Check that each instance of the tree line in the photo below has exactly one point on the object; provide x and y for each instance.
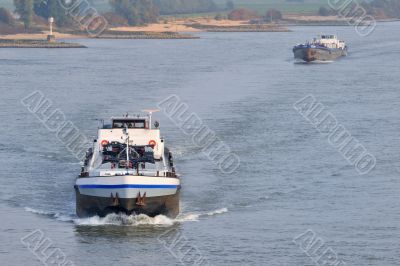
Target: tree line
(136, 12)
(168, 7)
(375, 8)
(386, 8)
(27, 9)
(146, 11)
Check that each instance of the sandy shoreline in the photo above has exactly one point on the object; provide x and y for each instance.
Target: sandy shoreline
(182, 25)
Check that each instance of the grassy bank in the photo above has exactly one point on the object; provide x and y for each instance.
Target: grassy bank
(240, 28)
(8, 43)
(114, 34)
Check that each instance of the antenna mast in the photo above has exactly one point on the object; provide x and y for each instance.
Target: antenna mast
(127, 147)
(150, 112)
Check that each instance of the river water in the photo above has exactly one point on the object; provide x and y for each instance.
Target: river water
(291, 181)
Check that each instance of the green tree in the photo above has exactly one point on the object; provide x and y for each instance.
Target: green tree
(169, 7)
(273, 15)
(324, 11)
(137, 12)
(52, 8)
(25, 9)
(242, 14)
(390, 8)
(218, 16)
(6, 16)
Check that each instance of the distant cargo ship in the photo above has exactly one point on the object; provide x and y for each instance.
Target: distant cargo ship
(324, 48)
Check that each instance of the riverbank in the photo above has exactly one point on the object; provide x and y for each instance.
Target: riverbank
(115, 34)
(193, 25)
(314, 20)
(242, 28)
(41, 36)
(109, 34)
(34, 43)
(186, 28)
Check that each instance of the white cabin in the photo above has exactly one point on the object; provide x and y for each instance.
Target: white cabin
(130, 144)
(141, 133)
(329, 41)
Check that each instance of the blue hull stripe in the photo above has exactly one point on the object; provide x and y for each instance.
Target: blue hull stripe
(127, 186)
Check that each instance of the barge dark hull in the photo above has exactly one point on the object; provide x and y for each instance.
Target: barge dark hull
(88, 206)
(318, 54)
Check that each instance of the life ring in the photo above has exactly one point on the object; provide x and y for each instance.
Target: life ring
(104, 143)
(152, 143)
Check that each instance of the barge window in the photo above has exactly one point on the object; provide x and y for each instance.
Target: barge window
(129, 123)
(139, 124)
(118, 124)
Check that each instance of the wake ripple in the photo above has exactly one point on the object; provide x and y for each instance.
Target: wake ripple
(128, 220)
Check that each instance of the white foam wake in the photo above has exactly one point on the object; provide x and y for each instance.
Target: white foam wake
(194, 216)
(56, 215)
(217, 211)
(129, 220)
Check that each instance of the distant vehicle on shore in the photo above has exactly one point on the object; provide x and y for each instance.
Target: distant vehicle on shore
(323, 48)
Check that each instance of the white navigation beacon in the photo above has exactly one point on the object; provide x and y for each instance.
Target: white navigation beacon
(51, 21)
